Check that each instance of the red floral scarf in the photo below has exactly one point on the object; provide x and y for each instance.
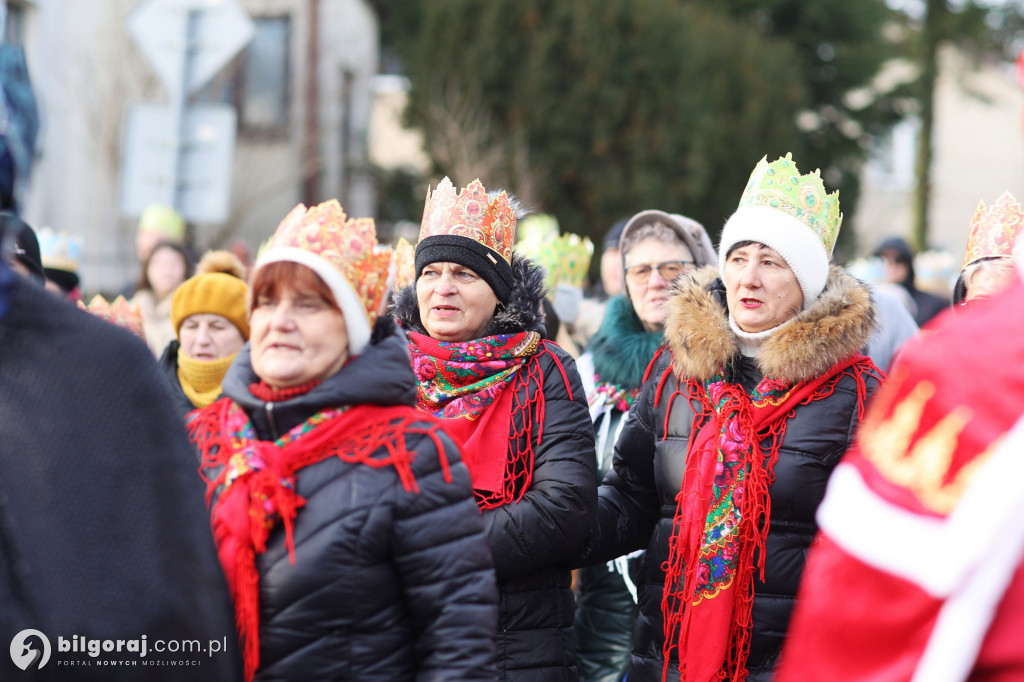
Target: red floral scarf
(474, 386)
(256, 482)
(723, 511)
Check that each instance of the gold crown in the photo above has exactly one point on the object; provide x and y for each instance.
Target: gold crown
(348, 244)
(469, 213)
(405, 264)
(120, 312)
(59, 250)
(994, 230)
(779, 185)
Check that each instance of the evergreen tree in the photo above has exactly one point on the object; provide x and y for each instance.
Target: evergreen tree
(602, 108)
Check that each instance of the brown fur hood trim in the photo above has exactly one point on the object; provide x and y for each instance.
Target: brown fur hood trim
(836, 326)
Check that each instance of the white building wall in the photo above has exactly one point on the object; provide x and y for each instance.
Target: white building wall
(86, 72)
(978, 155)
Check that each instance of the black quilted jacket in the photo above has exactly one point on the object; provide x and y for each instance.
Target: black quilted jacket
(535, 540)
(637, 498)
(387, 584)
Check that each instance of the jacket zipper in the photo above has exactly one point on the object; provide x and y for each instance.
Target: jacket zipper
(270, 421)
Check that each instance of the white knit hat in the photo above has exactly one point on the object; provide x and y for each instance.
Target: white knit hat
(792, 214)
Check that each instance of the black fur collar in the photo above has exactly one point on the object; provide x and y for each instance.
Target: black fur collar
(522, 312)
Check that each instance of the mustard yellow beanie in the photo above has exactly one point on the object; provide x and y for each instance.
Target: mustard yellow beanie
(215, 293)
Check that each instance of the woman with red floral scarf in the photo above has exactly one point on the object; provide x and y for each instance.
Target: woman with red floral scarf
(516, 404)
(742, 417)
(343, 517)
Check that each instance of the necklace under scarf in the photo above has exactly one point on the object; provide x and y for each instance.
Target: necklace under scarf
(723, 511)
(474, 386)
(256, 482)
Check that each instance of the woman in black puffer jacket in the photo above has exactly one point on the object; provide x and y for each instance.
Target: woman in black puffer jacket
(727, 451)
(343, 517)
(517, 405)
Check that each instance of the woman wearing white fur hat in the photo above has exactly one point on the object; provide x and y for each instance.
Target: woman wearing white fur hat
(745, 412)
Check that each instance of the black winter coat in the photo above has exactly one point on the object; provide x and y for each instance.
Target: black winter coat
(535, 540)
(637, 499)
(169, 367)
(387, 584)
(103, 528)
(618, 354)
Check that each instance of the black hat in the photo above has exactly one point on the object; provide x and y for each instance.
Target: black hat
(26, 245)
(614, 234)
(450, 248)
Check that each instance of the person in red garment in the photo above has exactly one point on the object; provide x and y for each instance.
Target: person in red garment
(918, 573)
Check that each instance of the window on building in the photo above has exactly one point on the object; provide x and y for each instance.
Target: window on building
(256, 81)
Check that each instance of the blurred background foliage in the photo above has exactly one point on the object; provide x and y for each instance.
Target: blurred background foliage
(595, 109)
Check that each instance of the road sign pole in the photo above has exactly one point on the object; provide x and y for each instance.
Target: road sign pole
(181, 155)
(179, 103)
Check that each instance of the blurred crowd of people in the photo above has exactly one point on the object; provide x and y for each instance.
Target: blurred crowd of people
(464, 461)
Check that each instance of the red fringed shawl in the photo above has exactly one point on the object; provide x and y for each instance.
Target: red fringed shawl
(255, 482)
(723, 511)
(490, 392)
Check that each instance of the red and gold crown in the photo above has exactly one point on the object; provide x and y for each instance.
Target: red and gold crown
(405, 264)
(470, 213)
(344, 252)
(994, 230)
(120, 312)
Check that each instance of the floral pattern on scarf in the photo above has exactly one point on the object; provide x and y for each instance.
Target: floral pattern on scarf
(460, 380)
(720, 547)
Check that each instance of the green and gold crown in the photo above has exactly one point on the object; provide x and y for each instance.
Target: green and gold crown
(572, 255)
(779, 185)
(565, 258)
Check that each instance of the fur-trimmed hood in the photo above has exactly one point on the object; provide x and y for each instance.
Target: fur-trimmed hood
(837, 325)
(522, 313)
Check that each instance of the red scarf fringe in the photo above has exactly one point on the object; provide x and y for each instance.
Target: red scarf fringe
(526, 414)
(679, 611)
(249, 508)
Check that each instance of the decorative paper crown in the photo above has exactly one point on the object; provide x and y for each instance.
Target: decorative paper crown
(60, 251)
(994, 230)
(164, 221)
(120, 312)
(779, 185)
(405, 264)
(535, 230)
(343, 251)
(565, 258)
(469, 213)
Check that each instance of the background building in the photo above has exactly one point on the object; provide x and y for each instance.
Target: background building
(302, 88)
(979, 154)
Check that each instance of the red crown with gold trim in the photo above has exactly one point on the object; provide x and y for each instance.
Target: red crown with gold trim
(405, 264)
(470, 213)
(120, 312)
(347, 244)
(994, 230)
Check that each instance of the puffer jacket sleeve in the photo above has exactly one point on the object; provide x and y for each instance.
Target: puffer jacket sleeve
(551, 522)
(628, 502)
(444, 567)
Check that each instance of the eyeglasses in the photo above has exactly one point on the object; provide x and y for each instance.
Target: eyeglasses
(669, 270)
